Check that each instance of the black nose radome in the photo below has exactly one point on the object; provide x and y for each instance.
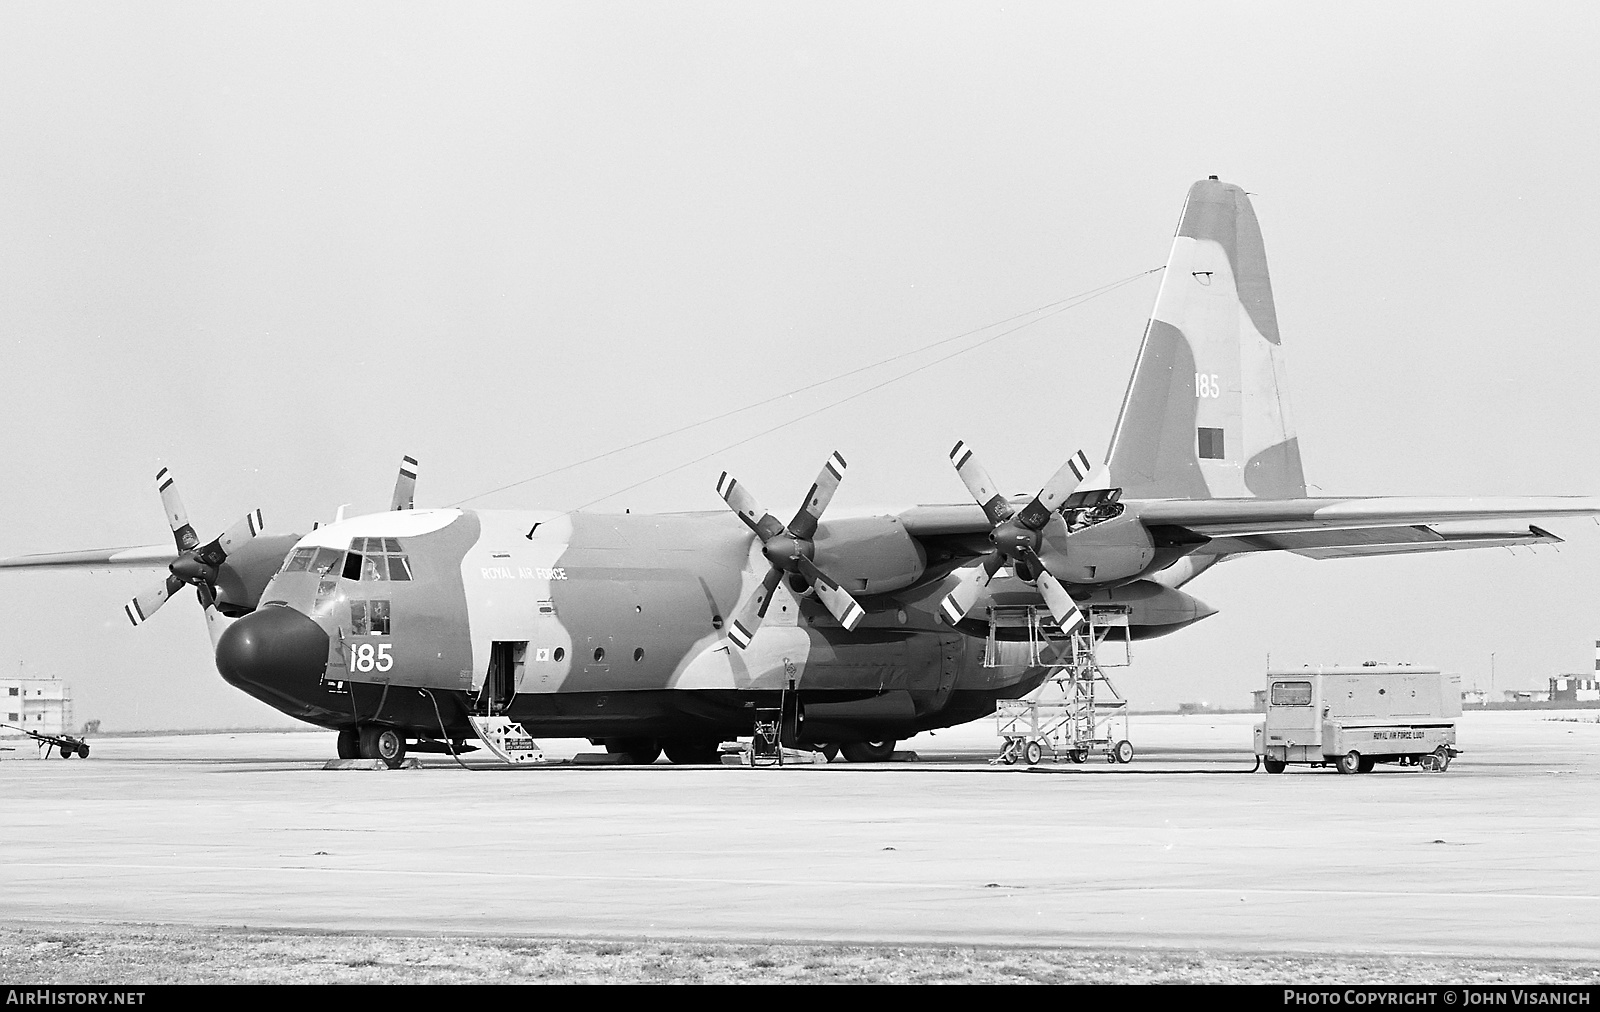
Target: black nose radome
(277, 649)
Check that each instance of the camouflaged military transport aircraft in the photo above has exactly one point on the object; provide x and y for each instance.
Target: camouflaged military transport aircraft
(417, 627)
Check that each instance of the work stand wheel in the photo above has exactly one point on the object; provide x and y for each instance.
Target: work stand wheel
(1032, 753)
(1079, 755)
(1122, 752)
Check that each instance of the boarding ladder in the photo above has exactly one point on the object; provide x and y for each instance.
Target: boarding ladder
(1076, 711)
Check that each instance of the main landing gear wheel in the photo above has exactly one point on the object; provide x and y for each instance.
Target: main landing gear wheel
(1032, 753)
(1351, 762)
(383, 743)
(701, 752)
(829, 751)
(349, 744)
(868, 751)
(635, 751)
(1123, 752)
(1274, 765)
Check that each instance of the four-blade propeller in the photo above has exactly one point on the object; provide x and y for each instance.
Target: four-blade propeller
(196, 564)
(1016, 536)
(790, 549)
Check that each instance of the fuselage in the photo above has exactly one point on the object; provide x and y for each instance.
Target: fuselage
(592, 625)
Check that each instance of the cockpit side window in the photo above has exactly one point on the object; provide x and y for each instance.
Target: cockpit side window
(326, 559)
(299, 560)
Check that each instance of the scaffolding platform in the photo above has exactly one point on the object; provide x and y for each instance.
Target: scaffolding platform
(1076, 712)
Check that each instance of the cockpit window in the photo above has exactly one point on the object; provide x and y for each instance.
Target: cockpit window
(369, 618)
(374, 559)
(326, 559)
(299, 560)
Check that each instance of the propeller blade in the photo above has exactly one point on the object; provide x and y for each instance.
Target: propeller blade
(804, 524)
(837, 600)
(217, 551)
(1061, 484)
(747, 618)
(958, 604)
(980, 484)
(757, 519)
(405, 486)
(1062, 608)
(146, 604)
(177, 516)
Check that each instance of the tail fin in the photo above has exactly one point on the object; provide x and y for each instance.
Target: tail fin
(1206, 414)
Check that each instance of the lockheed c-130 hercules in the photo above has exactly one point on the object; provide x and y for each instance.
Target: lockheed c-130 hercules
(667, 632)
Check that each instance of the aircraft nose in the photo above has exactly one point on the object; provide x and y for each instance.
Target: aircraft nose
(277, 649)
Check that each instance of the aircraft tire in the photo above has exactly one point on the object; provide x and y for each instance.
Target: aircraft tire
(1274, 765)
(636, 751)
(693, 752)
(1351, 762)
(391, 747)
(349, 744)
(867, 751)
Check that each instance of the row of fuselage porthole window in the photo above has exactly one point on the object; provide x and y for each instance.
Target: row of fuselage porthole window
(560, 654)
(369, 560)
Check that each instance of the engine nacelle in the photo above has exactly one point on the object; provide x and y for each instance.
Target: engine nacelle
(243, 577)
(1115, 551)
(869, 555)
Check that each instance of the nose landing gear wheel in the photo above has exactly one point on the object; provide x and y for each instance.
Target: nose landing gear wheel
(349, 744)
(383, 743)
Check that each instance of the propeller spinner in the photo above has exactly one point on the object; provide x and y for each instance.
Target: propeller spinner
(1016, 535)
(790, 549)
(196, 564)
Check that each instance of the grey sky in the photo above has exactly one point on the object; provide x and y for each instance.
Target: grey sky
(276, 246)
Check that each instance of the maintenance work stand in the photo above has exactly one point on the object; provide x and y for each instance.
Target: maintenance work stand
(1077, 711)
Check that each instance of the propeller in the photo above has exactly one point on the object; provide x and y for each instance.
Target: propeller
(405, 485)
(196, 564)
(1016, 536)
(790, 549)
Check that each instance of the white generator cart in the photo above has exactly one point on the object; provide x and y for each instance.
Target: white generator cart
(1076, 712)
(1353, 718)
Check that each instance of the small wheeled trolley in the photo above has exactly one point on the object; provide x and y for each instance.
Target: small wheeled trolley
(66, 745)
(1352, 718)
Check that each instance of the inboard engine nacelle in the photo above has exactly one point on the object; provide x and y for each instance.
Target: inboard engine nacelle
(871, 555)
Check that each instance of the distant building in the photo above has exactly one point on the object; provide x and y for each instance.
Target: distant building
(1526, 695)
(36, 704)
(1574, 688)
(1475, 697)
(1258, 700)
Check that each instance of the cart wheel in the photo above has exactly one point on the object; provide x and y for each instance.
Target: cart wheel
(1033, 753)
(1080, 755)
(83, 751)
(1350, 762)
(66, 751)
(1123, 751)
(1274, 765)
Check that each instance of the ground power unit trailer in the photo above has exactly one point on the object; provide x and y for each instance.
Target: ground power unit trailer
(1356, 717)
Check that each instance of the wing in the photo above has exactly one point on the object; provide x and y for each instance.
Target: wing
(1317, 528)
(142, 557)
